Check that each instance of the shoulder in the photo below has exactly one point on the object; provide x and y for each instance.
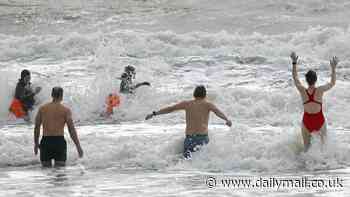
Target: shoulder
(43, 107)
(324, 88)
(181, 105)
(210, 105)
(205, 101)
(185, 103)
(20, 85)
(65, 109)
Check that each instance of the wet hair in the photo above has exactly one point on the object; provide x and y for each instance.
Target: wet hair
(129, 68)
(24, 73)
(200, 92)
(124, 75)
(311, 77)
(57, 92)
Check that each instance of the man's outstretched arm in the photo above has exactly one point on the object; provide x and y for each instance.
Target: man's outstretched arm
(166, 110)
(220, 114)
(73, 133)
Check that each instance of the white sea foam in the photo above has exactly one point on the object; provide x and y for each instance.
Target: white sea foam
(247, 75)
(141, 146)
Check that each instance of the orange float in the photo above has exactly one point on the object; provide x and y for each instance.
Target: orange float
(16, 108)
(112, 101)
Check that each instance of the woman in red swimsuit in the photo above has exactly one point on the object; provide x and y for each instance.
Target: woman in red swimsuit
(313, 119)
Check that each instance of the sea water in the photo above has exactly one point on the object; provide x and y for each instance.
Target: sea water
(238, 49)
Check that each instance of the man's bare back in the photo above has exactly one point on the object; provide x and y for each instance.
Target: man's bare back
(54, 116)
(197, 115)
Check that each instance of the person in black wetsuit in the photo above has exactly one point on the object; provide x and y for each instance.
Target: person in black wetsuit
(126, 86)
(24, 91)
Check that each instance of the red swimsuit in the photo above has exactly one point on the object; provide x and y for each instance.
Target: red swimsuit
(313, 122)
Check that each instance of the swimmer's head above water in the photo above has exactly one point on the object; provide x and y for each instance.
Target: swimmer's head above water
(200, 92)
(57, 93)
(130, 70)
(311, 77)
(25, 76)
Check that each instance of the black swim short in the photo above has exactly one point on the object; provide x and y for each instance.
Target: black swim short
(53, 147)
(193, 143)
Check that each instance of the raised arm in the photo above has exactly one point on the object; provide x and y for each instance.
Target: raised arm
(333, 63)
(73, 133)
(166, 110)
(297, 82)
(220, 114)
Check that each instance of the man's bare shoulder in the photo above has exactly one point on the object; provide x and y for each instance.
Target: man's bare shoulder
(66, 111)
(185, 102)
(182, 104)
(208, 102)
(65, 108)
(210, 105)
(203, 103)
(45, 106)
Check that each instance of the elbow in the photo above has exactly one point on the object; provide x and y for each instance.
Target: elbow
(332, 82)
(295, 80)
(70, 130)
(170, 110)
(296, 83)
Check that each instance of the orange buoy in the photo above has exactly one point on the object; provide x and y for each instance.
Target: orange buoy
(16, 108)
(113, 100)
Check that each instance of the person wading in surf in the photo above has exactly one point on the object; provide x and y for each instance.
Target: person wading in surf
(53, 116)
(126, 85)
(197, 118)
(24, 96)
(313, 119)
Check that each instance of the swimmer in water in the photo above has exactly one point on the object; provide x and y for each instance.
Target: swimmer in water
(197, 118)
(313, 119)
(54, 116)
(24, 95)
(127, 86)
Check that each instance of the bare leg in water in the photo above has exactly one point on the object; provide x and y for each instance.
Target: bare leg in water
(306, 137)
(323, 135)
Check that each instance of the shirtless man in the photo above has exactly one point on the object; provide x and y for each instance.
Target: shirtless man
(313, 119)
(197, 117)
(53, 116)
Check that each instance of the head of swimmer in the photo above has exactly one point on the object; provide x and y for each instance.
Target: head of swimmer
(25, 76)
(57, 94)
(131, 71)
(200, 92)
(311, 77)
